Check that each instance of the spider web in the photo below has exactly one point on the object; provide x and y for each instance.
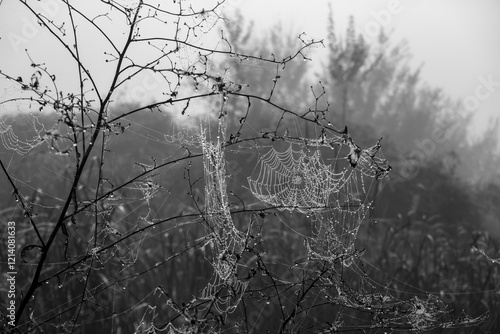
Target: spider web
(227, 241)
(21, 133)
(293, 180)
(24, 125)
(336, 202)
(186, 136)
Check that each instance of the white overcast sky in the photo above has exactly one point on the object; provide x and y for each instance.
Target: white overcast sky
(456, 40)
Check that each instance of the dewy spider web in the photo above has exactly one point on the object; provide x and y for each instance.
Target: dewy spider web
(294, 180)
(35, 134)
(335, 228)
(338, 202)
(187, 136)
(228, 243)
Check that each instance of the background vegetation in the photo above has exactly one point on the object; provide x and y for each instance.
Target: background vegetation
(118, 187)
